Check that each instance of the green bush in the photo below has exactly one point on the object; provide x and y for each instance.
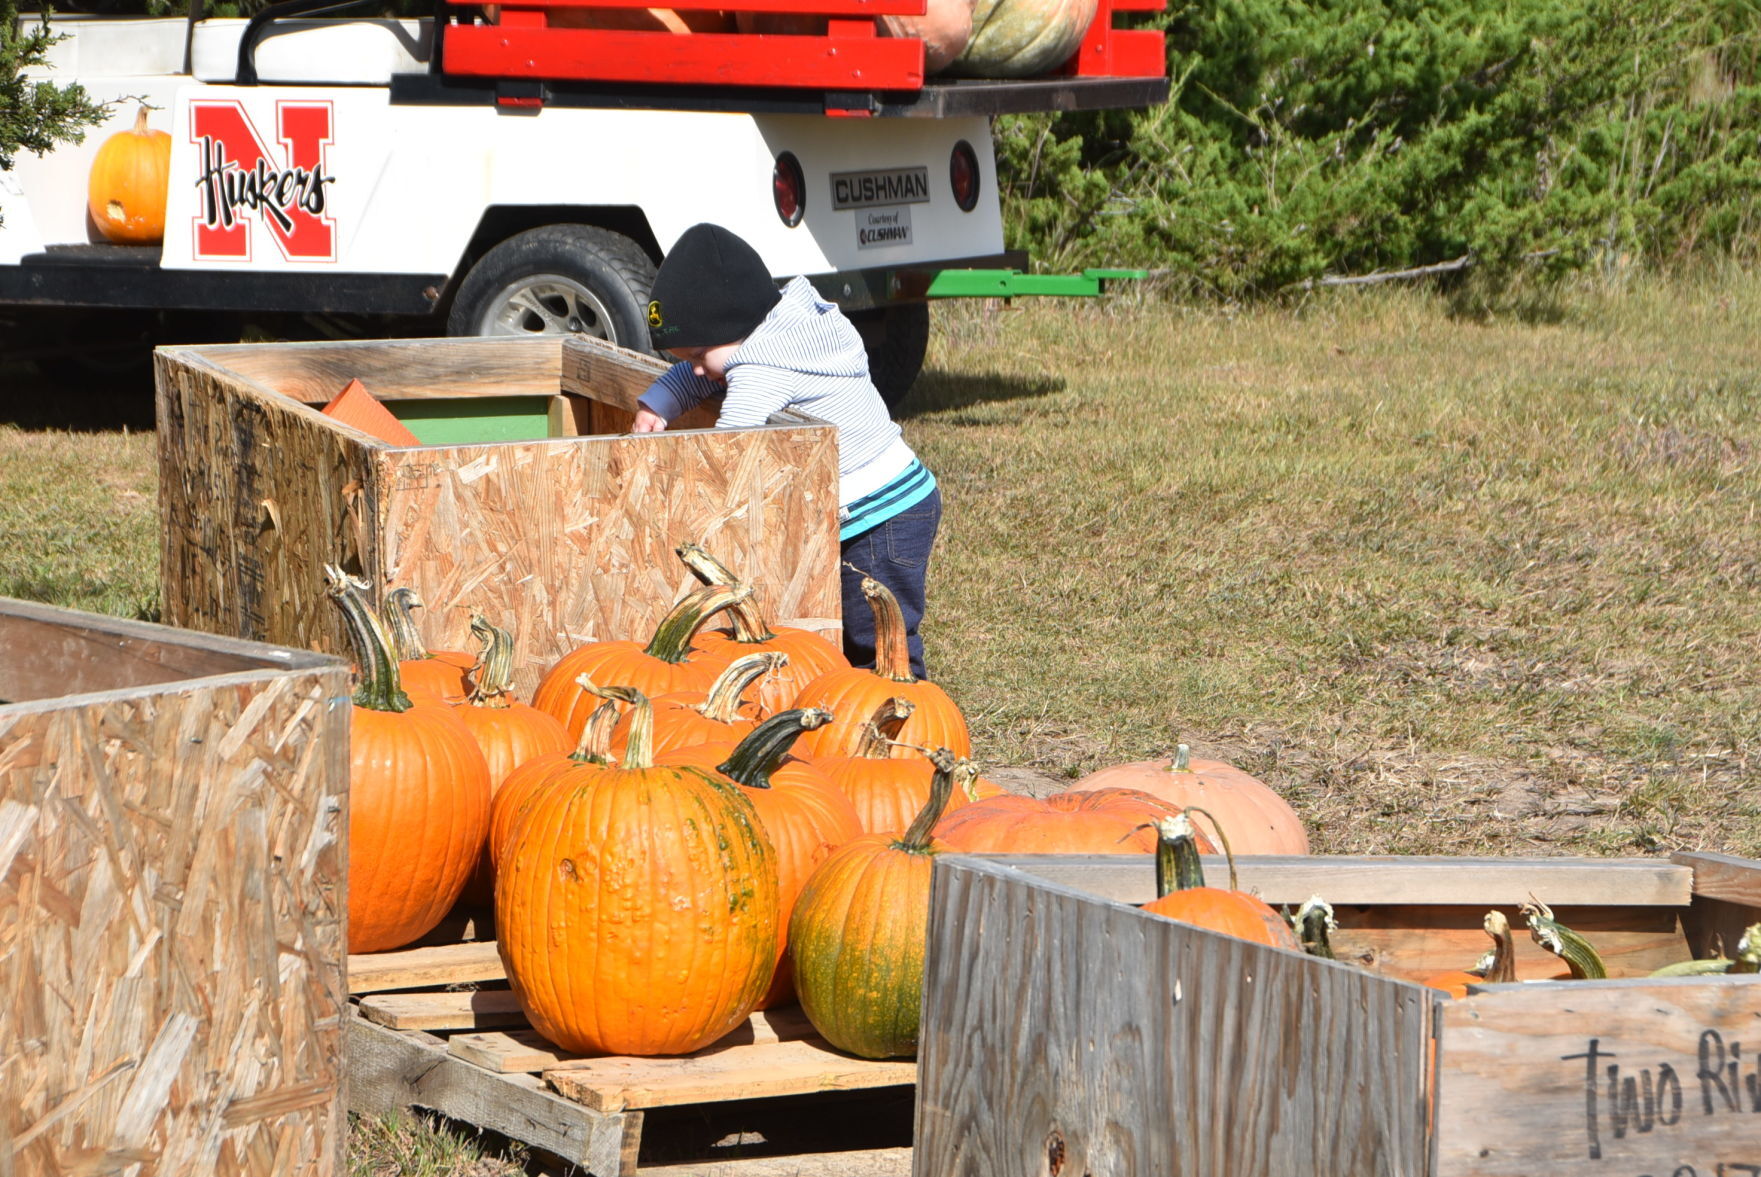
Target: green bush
(1303, 140)
(35, 115)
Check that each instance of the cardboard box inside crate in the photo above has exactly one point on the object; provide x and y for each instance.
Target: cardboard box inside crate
(172, 900)
(562, 536)
(1064, 1030)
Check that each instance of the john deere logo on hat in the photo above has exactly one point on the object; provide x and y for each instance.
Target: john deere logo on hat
(654, 319)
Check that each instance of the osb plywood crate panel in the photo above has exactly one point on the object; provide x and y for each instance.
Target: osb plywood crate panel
(562, 540)
(1117, 1042)
(172, 900)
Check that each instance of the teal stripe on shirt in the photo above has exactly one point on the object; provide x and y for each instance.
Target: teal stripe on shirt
(895, 498)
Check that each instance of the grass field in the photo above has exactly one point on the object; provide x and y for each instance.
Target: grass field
(1452, 585)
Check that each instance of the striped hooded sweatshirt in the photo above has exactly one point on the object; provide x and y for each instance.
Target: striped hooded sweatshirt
(807, 356)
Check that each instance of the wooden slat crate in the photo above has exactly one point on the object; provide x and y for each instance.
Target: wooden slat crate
(172, 898)
(564, 538)
(435, 1027)
(1118, 1042)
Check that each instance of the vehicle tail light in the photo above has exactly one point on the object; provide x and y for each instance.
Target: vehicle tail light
(963, 176)
(789, 189)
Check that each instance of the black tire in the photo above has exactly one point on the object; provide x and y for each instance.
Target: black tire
(558, 280)
(896, 337)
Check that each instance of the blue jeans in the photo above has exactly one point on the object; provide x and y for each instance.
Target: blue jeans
(896, 553)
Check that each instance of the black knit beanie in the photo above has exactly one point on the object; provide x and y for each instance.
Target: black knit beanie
(712, 289)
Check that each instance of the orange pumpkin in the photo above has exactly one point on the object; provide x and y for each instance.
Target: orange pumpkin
(418, 795)
(445, 675)
(803, 813)
(858, 931)
(530, 778)
(1183, 896)
(852, 695)
(127, 187)
(661, 666)
(637, 914)
(684, 718)
(810, 655)
(1258, 821)
(1104, 821)
(509, 732)
(886, 793)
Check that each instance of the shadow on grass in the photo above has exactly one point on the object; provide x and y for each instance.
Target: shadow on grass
(937, 391)
(34, 400)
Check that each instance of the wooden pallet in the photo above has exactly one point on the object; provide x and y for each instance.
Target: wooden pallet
(434, 1027)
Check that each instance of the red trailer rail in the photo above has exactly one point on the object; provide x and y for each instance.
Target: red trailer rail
(849, 56)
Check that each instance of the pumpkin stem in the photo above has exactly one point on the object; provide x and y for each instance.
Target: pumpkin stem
(1579, 956)
(1502, 969)
(1228, 855)
(1177, 862)
(892, 652)
(140, 127)
(750, 625)
(1182, 761)
(379, 688)
(1313, 922)
(672, 637)
(639, 743)
(766, 746)
(400, 621)
(594, 747)
(883, 727)
(916, 838)
(723, 704)
(496, 662)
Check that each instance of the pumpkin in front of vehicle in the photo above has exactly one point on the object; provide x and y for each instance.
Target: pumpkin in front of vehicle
(127, 187)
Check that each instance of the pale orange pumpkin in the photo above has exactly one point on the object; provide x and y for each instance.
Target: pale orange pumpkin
(944, 28)
(1257, 820)
(852, 695)
(128, 184)
(418, 794)
(1102, 821)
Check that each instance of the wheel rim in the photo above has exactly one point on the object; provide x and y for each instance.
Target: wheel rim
(548, 304)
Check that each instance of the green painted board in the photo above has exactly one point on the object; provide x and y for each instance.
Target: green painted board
(465, 420)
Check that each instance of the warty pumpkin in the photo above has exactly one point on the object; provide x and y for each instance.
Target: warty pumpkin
(511, 801)
(1101, 821)
(127, 187)
(856, 938)
(509, 732)
(444, 674)
(637, 913)
(1182, 894)
(803, 813)
(852, 695)
(418, 794)
(810, 655)
(1257, 819)
(660, 666)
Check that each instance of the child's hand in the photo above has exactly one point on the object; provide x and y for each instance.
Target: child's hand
(648, 422)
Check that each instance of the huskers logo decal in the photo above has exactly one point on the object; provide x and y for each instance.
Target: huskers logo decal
(242, 181)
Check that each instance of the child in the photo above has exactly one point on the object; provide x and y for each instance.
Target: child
(716, 308)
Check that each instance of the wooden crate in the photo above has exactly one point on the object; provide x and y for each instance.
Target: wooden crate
(561, 539)
(1065, 1031)
(172, 900)
(435, 1027)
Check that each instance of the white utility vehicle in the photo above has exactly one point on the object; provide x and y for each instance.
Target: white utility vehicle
(342, 174)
